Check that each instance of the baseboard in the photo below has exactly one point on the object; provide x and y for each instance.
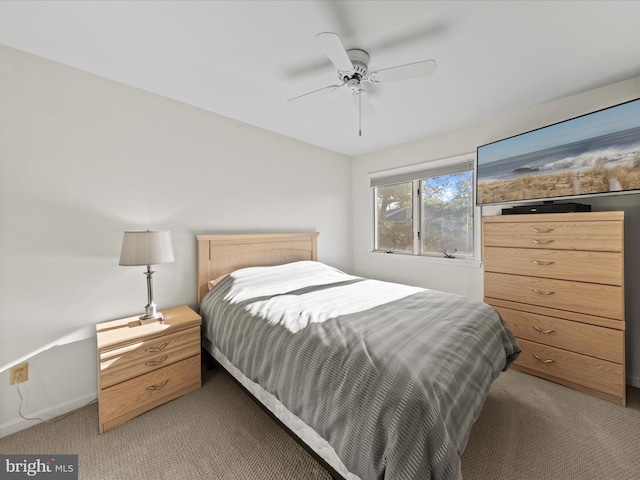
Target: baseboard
(633, 381)
(47, 414)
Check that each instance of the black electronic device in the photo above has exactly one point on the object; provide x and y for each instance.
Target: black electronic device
(547, 208)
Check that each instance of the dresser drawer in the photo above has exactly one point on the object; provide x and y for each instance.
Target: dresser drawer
(581, 266)
(126, 400)
(145, 356)
(590, 372)
(600, 342)
(594, 236)
(592, 299)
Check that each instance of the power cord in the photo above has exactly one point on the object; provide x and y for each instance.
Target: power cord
(52, 420)
(20, 407)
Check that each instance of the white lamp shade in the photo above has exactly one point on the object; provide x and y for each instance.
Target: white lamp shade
(146, 247)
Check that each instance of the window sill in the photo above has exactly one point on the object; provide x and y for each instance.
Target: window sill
(406, 257)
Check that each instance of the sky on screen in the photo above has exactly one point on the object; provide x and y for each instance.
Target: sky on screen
(615, 119)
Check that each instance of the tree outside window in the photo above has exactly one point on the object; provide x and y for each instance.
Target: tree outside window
(443, 206)
(394, 214)
(447, 218)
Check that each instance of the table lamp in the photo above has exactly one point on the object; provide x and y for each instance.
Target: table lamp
(147, 247)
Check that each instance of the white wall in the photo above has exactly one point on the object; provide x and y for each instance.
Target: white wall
(467, 280)
(81, 160)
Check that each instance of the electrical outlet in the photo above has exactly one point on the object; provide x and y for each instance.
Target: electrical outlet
(19, 373)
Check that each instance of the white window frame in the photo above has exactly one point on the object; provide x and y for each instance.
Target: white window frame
(416, 173)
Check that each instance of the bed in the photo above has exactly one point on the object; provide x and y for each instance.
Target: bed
(380, 380)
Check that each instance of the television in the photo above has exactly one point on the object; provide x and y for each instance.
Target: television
(594, 154)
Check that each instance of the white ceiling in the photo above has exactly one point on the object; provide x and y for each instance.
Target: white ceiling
(244, 59)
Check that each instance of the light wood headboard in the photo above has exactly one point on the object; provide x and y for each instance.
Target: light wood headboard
(224, 253)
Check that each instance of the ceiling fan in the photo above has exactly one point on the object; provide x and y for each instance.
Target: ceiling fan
(353, 71)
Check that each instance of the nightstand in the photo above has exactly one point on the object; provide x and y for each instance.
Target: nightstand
(143, 366)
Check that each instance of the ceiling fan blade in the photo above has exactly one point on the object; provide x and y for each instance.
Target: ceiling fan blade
(362, 101)
(332, 46)
(315, 93)
(403, 72)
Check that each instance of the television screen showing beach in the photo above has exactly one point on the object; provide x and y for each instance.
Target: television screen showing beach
(593, 154)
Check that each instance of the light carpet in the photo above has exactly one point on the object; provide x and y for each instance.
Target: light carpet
(529, 429)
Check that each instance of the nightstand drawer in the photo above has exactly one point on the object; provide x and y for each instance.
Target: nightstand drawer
(594, 373)
(145, 356)
(605, 343)
(126, 400)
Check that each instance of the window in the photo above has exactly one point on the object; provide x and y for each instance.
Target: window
(447, 214)
(394, 226)
(427, 210)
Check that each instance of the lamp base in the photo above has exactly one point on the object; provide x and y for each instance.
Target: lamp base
(150, 314)
(157, 317)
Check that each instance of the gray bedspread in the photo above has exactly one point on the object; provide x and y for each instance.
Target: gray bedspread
(392, 377)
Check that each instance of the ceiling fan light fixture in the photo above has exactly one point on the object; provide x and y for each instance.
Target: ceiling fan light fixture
(360, 60)
(354, 85)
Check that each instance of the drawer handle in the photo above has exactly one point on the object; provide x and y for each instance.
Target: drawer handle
(540, 292)
(546, 332)
(542, 230)
(153, 363)
(156, 349)
(538, 357)
(158, 387)
(542, 242)
(540, 262)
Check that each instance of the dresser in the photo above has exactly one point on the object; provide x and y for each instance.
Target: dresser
(143, 366)
(557, 280)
